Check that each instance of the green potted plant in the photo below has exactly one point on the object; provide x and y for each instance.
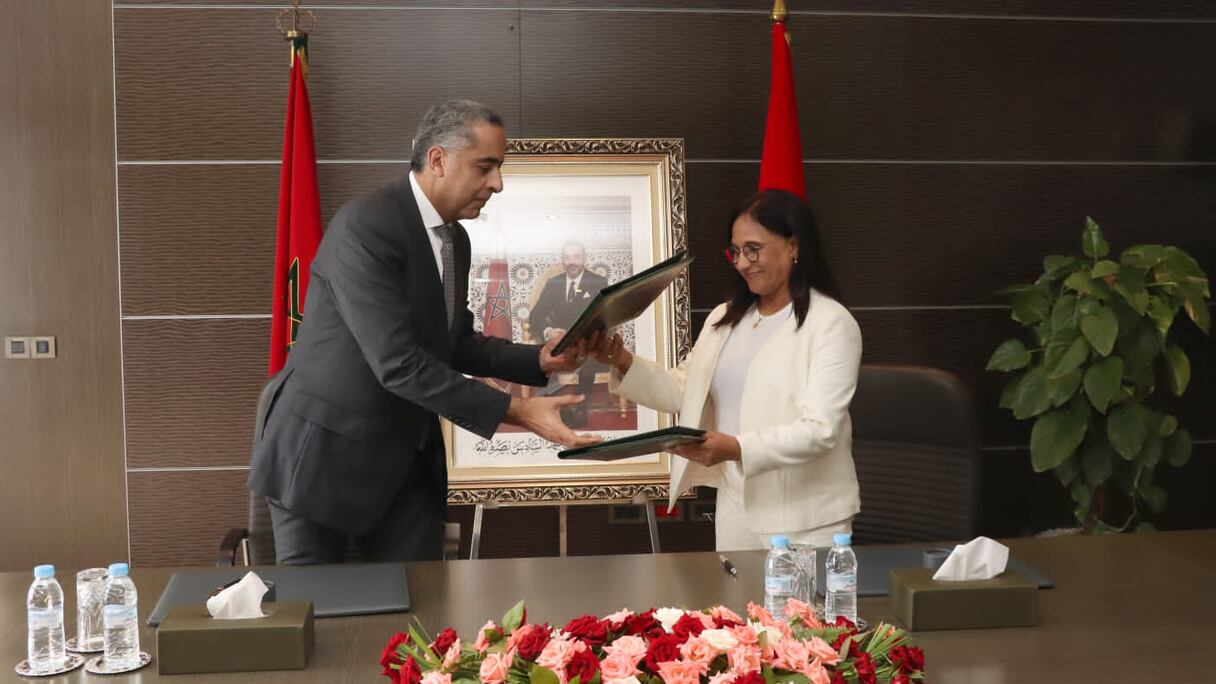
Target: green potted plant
(1097, 347)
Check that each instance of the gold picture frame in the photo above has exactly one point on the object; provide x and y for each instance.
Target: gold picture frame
(622, 203)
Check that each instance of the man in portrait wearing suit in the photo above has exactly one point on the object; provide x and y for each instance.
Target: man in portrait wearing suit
(351, 444)
(562, 299)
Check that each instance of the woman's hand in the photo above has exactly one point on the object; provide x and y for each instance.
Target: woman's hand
(610, 351)
(716, 448)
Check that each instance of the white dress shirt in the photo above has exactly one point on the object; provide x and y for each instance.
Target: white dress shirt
(430, 219)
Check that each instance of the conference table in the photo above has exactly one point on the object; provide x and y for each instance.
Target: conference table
(1125, 608)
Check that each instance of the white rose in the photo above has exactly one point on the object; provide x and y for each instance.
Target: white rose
(721, 639)
(769, 636)
(668, 617)
(627, 680)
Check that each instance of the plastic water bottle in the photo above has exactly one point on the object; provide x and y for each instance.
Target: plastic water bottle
(841, 571)
(44, 604)
(780, 576)
(120, 618)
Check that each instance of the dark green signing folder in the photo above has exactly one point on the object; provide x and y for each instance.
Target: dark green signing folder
(636, 445)
(624, 301)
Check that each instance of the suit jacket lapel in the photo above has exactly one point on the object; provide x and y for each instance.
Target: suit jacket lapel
(420, 254)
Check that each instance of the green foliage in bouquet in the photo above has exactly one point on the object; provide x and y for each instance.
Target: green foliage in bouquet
(1098, 342)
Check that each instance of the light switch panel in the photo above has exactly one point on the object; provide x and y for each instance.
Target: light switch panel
(16, 347)
(42, 347)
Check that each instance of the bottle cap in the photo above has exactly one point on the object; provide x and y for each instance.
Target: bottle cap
(42, 571)
(780, 541)
(118, 570)
(842, 539)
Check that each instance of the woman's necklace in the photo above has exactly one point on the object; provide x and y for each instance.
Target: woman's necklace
(760, 318)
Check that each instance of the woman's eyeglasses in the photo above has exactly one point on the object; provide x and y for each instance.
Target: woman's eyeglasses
(750, 251)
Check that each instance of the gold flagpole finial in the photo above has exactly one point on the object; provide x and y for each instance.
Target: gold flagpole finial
(779, 14)
(294, 32)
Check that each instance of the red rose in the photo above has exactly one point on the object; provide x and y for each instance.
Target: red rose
(724, 623)
(836, 643)
(752, 677)
(865, 669)
(909, 660)
(444, 641)
(642, 623)
(390, 657)
(838, 678)
(686, 626)
(533, 641)
(842, 621)
(901, 679)
(410, 672)
(662, 649)
(588, 628)
(583, 665)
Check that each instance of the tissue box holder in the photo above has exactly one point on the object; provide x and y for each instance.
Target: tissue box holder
(189, 641)
(1007, 600)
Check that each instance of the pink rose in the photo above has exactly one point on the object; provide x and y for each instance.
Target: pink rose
(618, 666)
(822, 650)
(746, 635)
(722, 678)
(759, 614)
(632, 646)
(743, 659)
(557, 654)
(494, 668)
(617, 619)
(724, 614)
(452, 657)
(483, 639)
(790, 654)
(816, 672)
(436, 677)
(803, 611)
(680, 672)
(699, 651)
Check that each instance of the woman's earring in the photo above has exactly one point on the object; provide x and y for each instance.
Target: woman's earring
(795, 258)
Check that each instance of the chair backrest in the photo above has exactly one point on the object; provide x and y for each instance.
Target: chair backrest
(915, 445)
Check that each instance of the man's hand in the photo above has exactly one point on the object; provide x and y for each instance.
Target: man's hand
(610, 351)
(570, 359)
(716, 448)
(540, 415)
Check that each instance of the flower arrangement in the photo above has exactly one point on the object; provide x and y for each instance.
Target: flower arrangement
(659, 646)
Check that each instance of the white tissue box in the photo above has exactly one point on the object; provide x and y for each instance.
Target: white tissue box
(190, 641)
(922, 603)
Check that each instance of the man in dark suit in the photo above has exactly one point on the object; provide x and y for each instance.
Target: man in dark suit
(561, 301)
(351, 444)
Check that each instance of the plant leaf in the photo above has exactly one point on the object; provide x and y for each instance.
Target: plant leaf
(513, 618)
(1055, 437)
(1102, 381)
(1083, 495)
(1167, 426)
(1104, 268)
(1140, 346)
(1092, 242)
(1177, 448)
(1072, 358)
(1154, 496)
(542, 675)
(1081, 282)
(1054, 264)
(1101, 329)
(1197, 309)
(1097, 460)
(1127, 429)
(1142, 256)
(1180, 369)
(1060, 390)
(1150, 455)
(1010, 393)
(1064, 318)
(1031, 306)
(1130, 284)
(1011, 355)
(1031, 398)
(1066, 472)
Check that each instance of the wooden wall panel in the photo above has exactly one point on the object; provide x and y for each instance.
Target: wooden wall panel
(877, 87)
(61, 451)
(179, 518)
(191, 390)
(212, 83)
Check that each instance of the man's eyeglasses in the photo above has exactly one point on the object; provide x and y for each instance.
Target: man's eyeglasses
(750, 251)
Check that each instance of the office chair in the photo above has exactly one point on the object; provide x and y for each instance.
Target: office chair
(915, 445)
(256, 541)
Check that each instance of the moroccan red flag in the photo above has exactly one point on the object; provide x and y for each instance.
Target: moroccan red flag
(497, 320)
(781, 163)
(299, 230)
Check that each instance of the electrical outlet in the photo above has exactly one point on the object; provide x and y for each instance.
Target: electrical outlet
(42, 347)
(17, 347)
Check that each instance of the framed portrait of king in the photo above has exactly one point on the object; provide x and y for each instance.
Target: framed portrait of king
(574, 216)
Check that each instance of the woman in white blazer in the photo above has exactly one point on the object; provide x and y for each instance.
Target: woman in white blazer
(770, 378)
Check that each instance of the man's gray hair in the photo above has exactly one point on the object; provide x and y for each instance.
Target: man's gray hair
(449, 125)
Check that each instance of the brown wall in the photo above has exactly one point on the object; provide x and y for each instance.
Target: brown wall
(62, 486)
(950, 144)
